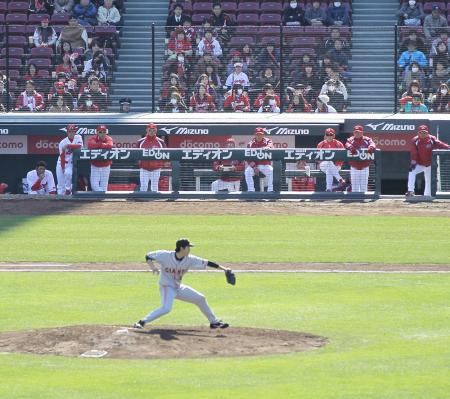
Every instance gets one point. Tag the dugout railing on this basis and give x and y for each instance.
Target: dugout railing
(180, 158)
(440, 174)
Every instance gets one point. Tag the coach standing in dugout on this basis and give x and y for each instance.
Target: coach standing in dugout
(421, 150)
(150, 170)
(359, 170)
(100, 169)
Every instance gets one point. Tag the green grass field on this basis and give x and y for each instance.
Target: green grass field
(389, 333)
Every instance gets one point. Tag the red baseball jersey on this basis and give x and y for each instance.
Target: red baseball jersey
(264, 143)
(421, 149)
(96, 143)
(237, 103)
(238, 165)
(332, 144)
(303, 183)
(355, 144)
(151, 142)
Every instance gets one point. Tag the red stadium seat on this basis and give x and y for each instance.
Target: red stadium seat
(16, 18)
(317, 31)
(18, 6)
(246, 30)
(35, 19)
(41, 52)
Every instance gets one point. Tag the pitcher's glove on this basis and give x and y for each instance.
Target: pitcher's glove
(231, 277)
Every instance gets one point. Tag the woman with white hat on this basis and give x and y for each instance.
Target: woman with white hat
(322, 104)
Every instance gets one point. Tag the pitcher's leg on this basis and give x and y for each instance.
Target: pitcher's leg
(188, 294)
(167, 296)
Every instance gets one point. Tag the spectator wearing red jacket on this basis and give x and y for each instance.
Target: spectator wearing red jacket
(330, 168)
(30, 100)
(237, 101)
(359, 170)
(201, 101)
(267, 90)
(259, 168)
(179, 45)
(421, 149)
(100, 169)
(150, 170)
(228, 182)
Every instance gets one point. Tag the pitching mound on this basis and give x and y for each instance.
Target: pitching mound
(157, 342)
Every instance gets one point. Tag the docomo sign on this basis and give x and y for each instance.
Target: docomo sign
(198, 142)
(44, 144)
(13, 145)
(392, 142)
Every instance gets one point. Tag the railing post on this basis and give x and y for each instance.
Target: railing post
(395, 68)
(8, 105)
(378, 165)
(434, 171)
(281, 70)
(153, 68)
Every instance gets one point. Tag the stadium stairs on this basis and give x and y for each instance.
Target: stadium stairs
(133, 67)
(372, 62)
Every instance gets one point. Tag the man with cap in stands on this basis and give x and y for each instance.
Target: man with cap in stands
(421, 150)
(359, 170)
(100, 169)
(125, 104)
(150, 170)
(64, 166)
(229, 180)
(259, 168)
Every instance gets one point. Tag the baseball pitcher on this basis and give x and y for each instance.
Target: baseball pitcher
(174, 265)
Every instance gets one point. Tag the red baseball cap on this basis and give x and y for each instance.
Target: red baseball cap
(330, 132)
(423, 128)
(101, 128)
(151, 125)
(358, 128)
(3, 187)
(72, 127)
(259, 130)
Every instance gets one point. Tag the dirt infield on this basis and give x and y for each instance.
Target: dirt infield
(157, 342)
(49, 206)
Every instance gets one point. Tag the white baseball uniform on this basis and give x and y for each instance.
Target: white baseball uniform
(170, 287)
(64, 176)
(43, 187)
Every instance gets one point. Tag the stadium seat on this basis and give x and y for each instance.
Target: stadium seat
(428, 6)
(265, 40)
(239, 41)
(17, 41)
(2, 21)
(14, 52)
(35, 19)
(248, 19)
(3, 7)
(14, 63)
(270, 19)
(270, 31)
(197, 19)
(246, 30)
(202, 7)
(272, 7)
(60, 19)
(105, 31)
(18, 6)
(298, 53)
(229, 7)
(43, 73)
(16, 18)
(41, 52)
(303, 42)
(41, 63)
(17, 30)
(248, 7)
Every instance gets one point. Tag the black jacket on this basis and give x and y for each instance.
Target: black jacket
(294, 15)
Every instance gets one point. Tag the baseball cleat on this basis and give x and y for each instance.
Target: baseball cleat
(218, 324)
(409, 194)
(139, 324)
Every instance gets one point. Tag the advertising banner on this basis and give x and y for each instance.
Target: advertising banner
(278, 141)
(13, 145)
(385, 126)
(393, 142)
(44, 144)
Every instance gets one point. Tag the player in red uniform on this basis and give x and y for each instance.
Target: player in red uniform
(303, 183)
(254, 168)
(150, 170)
(230, 183)
(359, 171)
(330, 168)
(100, 169)
(421, 148)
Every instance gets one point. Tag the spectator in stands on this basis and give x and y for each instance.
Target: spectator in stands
(125, 104)
(218, 17)
(293, 15)
(322, 104)
(335, 83)
(408, 57)
(266, 91)
(209, 44)
(339, 54)
(63, 6)
(441, 54)
(315, 15)
(31, 73)
(207, 59)
(433, 22)
(269, 56)
(60, 91)
(414, 73)
(214, 85)
(336, 98)
(44, 35)
(267, 76)
(441, 100)
(40, 180)
(416, 106)
(235, 57)
(269, 104)
(85, 104)
(201, 101)
(97, 63)
(189, 32)
(298, 103)
(211, 85)
(99, 98)
(238, 100)
(173, 85)
(85, 12)
(440, 75)
(329, 44)
(179, 45)
(309, 80)
(108, 14)
(410, 14)
(175, 19)
(413, 37)
(4, 97)
(73, 33)
(443, 37)
(338, 15)
(248, 59)
(41, 7)
(413, 88)
(59, 105)
(67, 66)
(176, 104)
(30, 100)
(237, 77)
